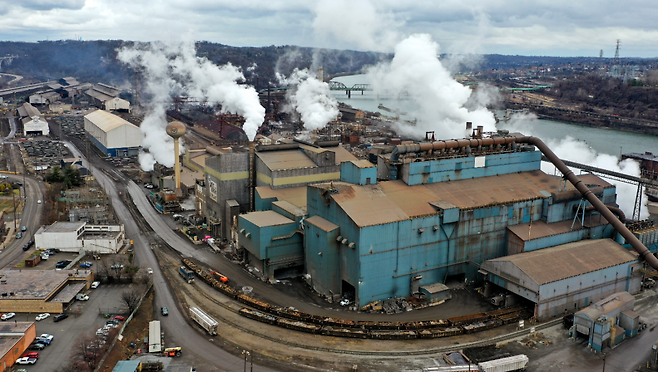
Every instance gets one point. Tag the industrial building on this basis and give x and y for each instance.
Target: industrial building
(607, 322)
(566, 277)
(106, 97)
(34, 124)
(41, 291)
(113, 135)
(80, 236)
(428, 212)
(15, 338)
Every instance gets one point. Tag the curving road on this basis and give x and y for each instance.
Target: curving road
(178, 332)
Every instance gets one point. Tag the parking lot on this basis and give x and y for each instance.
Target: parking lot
(85, 318)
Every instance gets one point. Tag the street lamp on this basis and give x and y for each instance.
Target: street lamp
(251, 360)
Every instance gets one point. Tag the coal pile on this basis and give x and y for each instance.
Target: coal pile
(44, 153)
(71, 125)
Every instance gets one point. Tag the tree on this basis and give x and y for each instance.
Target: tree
(55, 175)
(131, 298)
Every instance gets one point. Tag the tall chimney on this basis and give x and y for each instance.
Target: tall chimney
(252, 177)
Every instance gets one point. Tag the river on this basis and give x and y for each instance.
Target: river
(604, 141)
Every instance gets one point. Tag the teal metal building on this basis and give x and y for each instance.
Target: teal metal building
(426, 216)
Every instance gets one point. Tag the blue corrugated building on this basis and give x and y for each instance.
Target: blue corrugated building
(432, 215)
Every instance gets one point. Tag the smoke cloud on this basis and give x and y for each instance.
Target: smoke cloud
(415, 73)
(579, 151)
(174, 69)
(311, 99)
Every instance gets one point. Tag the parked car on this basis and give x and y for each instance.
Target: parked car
(45, 336)
(26, 247)
(24, 228)
(62, 264)
(59, 317)
(39, 201)
(31, 354)
(19, 235)
(120, 318)
(95, 285)
(85, 265)
(164, 310)
(42, 316)
(82, 297)
(37, 346)
(149, 271)
(7, 316)
(26, 360)
(117, 266)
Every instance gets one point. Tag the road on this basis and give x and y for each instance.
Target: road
(16, 79)
(177, 331)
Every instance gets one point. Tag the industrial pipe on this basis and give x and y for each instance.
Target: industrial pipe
(584, 190)
(596, 203)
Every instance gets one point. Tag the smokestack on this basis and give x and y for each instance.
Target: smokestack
(321, 74)
(176, 130)
(252, 176)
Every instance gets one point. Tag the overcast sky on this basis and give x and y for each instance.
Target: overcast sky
(541, 27)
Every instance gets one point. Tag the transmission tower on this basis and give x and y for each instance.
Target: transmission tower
(616, 65)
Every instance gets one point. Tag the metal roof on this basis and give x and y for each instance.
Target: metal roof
(294, 195)
(106, 121)
(363, 164)
(541, 229)
(60, 226)
(290, 208)
(568, 260)
(287, 159)
(608, 305)
(267, 218)
(322, 224)
(434, 288)
(391, 201)
(28, 110)
(36, 284)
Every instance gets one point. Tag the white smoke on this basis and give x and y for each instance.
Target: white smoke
(579, 151)
(311, 99)
(358, 22)
(174, 69)
(416, 72)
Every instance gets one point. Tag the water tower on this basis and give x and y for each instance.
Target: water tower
(176, 130)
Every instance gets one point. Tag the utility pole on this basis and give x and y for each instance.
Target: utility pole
(13, 198)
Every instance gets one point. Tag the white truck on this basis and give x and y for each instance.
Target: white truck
(82, 297)
(204, 320)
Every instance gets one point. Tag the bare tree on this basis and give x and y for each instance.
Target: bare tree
(131, 298)
(87, 352)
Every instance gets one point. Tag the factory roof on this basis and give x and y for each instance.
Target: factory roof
(294, 195)
(290, 208)
(568, 260)
(59, 227)
(541, 229)
(363, 164)
(611, 304)
(107, 121)
(287, 159)
(391, 201)
(36, 284)
(267, 218)
(322, 224)
(28, 110)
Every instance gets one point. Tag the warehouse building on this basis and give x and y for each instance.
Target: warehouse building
(34, 124)
(80, 236)
(41, 291)
(566, 277)
(15, 338)
(113, 135)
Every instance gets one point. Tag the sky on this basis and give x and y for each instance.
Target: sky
(511, 27)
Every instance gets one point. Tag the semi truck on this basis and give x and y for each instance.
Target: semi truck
(204, 320)
(187, 274)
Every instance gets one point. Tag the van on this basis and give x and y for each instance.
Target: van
(95, 285)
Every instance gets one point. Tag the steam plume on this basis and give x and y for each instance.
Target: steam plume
(311, 99)
(174, 69)
(417, 73)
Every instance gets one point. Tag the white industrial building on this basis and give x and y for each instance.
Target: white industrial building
(79, 236)
(33, 122)
(117, 104)
(113, 135)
